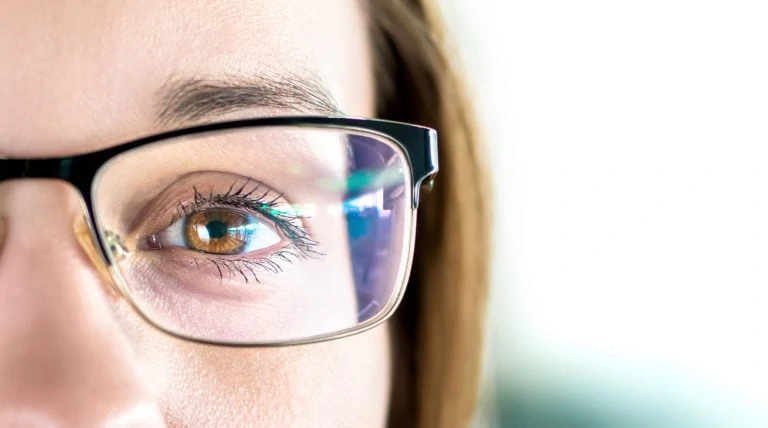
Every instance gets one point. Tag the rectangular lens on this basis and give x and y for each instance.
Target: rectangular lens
(259, 235)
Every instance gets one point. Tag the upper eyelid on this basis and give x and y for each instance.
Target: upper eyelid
(236, 200)
(168, 205)
(300, 234)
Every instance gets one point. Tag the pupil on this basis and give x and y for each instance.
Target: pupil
(217, 229)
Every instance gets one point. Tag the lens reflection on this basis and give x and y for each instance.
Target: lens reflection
(259, 235)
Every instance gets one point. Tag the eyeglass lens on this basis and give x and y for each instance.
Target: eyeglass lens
(260, 234)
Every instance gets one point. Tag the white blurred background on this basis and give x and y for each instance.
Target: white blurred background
(630, 159)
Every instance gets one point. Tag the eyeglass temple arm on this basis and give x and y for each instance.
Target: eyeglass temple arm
(424, 161)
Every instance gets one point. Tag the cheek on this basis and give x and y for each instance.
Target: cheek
(341, 383)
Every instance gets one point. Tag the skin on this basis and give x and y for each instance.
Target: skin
(80, 75)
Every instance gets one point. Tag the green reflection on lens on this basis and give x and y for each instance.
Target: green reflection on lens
(367, 179)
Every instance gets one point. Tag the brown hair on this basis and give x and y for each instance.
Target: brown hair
(439, 327)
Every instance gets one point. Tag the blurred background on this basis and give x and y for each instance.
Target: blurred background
(630, 141)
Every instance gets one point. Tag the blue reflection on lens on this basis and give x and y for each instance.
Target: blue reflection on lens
(369, 220)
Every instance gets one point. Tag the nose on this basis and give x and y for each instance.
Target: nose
(63, 359)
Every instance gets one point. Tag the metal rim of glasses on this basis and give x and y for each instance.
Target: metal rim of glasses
(417, 144)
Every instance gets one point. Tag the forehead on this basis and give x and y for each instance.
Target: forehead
(86, 72)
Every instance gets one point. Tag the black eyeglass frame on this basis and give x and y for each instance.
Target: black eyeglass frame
(418, 143)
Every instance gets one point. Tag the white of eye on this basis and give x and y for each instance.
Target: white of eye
(260, 235)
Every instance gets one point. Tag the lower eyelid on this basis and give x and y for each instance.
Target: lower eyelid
(178, 263)
(217, 277)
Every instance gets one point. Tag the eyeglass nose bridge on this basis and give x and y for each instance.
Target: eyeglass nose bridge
(37, 168)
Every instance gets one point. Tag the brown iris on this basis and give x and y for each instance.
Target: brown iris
(217, 231)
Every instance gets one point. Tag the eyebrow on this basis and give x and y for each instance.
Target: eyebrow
(184, 99)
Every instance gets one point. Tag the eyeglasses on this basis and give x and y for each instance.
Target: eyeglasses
(260, 232)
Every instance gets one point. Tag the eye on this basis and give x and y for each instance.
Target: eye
(219, 231)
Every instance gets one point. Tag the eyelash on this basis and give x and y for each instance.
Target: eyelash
(301, 246)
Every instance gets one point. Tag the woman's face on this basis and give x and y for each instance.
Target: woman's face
(80, 75)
